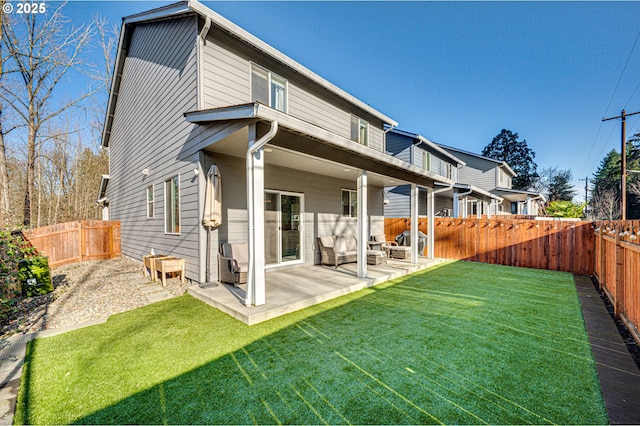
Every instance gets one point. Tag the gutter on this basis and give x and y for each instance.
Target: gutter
(259, 144)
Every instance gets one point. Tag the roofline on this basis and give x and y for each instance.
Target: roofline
(519, 191)
(477, 190)
(430, 143)
(185, 7)
(501, 162)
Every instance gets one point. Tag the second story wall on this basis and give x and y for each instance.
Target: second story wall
(227, 77)
(479, 172)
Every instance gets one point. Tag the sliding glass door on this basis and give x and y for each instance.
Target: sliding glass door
(283, 227)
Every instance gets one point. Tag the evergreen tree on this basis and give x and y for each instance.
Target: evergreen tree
(506, 147)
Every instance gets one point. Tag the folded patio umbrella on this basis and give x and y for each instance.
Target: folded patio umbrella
(212, 215)
(213, 198)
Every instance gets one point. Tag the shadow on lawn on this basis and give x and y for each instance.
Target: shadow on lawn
(425, 350)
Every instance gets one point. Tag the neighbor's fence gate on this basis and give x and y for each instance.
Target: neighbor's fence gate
(617, 269)
(76, 241)
(542, 244)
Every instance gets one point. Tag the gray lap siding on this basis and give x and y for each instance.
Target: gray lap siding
(149, 131)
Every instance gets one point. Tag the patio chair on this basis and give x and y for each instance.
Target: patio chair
(337, 250)
(381, 241)
(233, 263)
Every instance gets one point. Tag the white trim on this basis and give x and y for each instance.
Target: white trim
(363, 231)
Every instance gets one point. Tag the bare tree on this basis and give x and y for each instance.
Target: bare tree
(42, 50)
(605, 205)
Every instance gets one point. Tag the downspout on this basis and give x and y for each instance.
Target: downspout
(249, 164)
(430, 218)
(201, 43)
(384, 133)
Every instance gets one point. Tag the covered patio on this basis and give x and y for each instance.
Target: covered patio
(294, 289)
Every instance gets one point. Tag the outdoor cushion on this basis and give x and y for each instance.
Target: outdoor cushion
(327, 241)
(352, 244)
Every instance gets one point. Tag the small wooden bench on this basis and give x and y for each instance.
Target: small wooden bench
(167, 265)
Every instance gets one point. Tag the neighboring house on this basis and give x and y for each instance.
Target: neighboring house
(299, 157)
(460, 200)
(495, 177)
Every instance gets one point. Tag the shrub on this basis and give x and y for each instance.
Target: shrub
(34, 276)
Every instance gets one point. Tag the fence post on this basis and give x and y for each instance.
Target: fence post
(80, 242)
(603, 261)
(619, 296)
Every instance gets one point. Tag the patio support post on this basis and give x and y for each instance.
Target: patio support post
(489, 208)
(431, 199)
(363, 233)
(414, 222)
(456, 204)
(256, 293)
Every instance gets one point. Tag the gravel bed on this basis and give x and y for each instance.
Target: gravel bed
(87, 291)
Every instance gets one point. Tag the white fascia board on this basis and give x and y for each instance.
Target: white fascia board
(258, 44)
(238, 112)
(158, 13)
(440, 150)
(104, 181)
(301, 126)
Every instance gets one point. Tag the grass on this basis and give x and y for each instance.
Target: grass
(460, 343)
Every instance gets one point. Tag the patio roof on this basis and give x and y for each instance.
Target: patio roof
(476, 192)
(510, 194)
(302, 137)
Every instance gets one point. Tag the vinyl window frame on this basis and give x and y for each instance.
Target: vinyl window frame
(351, 206)
(359, 130)
(171, 210)
(272, 80)
(150, 201)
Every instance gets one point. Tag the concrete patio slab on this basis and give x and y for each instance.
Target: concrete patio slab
(292, 289)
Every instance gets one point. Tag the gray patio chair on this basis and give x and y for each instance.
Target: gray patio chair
(233, 263)
(381, 241)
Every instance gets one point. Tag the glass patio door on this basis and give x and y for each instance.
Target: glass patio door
(283, 227)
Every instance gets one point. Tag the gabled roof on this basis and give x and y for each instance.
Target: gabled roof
(493, 160)
(510, 194)
(193, 6)
(419, 139)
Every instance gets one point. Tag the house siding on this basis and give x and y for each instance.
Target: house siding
(322, 204)
(399, 146)
(479, 172)
(158, 85)
(226, 82)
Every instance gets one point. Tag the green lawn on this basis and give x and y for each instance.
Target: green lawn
(459, 343)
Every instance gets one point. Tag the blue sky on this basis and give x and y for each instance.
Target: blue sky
(459, 72)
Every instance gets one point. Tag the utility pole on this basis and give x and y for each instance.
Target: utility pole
(623, 163)
(586, 189)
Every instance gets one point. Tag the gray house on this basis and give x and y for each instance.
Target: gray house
(461, 200)
(495, 177)
(299, 158)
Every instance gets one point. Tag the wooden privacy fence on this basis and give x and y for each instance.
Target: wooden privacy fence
(542, 244)
(617, 269)
(76, 241)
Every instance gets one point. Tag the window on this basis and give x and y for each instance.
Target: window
(359, 130)
(349, 203)
(426, 160)
(449, 171)
(172, 205)
(150, 202)
(268, 88)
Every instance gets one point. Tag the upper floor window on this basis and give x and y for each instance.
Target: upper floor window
(349, 203)
(359, 130)
(268, 88)
(426, 160)
(172, 205)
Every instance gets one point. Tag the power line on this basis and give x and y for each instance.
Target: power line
(611, 100)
